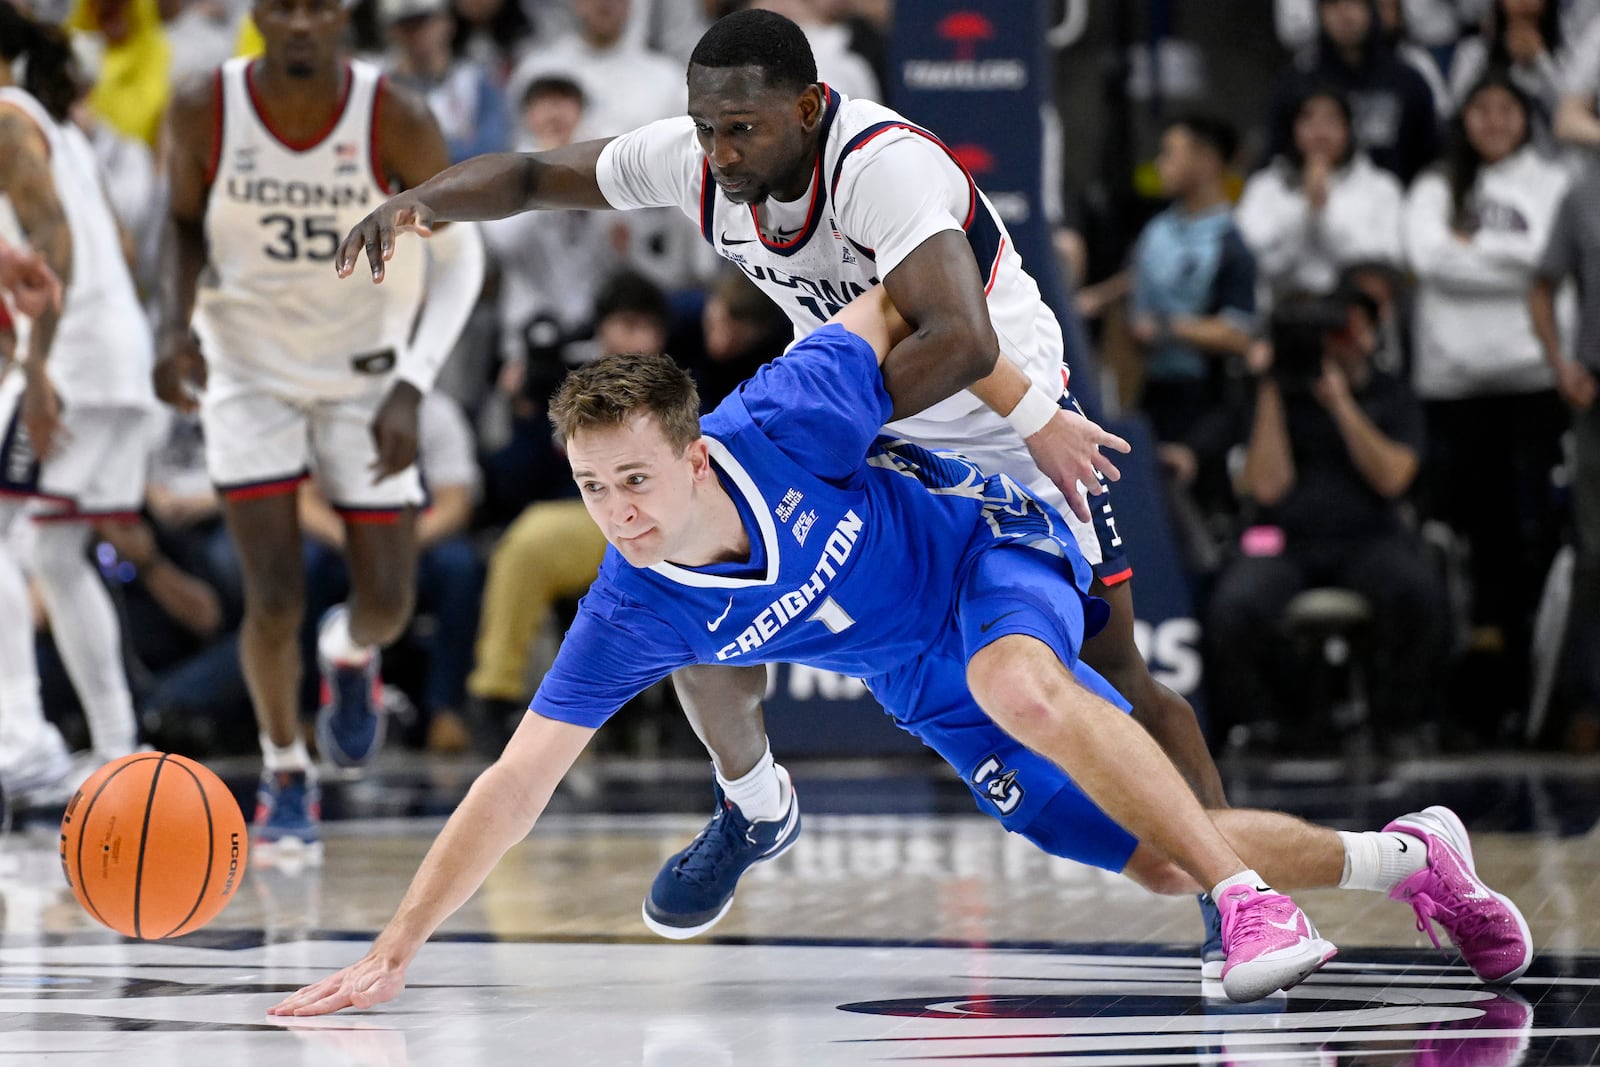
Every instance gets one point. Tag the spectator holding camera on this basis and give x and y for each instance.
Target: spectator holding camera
(1475, 229)
(1334, 444)
(1321, 206)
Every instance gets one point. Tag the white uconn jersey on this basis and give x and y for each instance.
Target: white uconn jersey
(276, 313)
(881, 186)
(102, 351)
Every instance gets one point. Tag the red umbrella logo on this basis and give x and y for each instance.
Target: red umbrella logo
(976, 158)
(966, 29)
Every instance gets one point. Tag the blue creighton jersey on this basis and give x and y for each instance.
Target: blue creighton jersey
(858, 543)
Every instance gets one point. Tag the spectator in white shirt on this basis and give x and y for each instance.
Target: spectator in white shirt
(1522, 37)
(1475, 229)
(1320, 207)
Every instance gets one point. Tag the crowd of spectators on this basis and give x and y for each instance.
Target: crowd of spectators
(1359, 365)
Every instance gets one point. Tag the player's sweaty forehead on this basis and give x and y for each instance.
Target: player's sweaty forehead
(733, 92)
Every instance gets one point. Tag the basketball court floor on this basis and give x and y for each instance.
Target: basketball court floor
(901, 928)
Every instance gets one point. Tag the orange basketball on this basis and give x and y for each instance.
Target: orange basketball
(153, 845)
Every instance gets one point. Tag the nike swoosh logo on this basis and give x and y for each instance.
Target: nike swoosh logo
(986, 627)
(1292, 926)
(781, 235)
(1403, 846)
(712, 626)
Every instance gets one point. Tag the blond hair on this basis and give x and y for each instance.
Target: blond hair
(611, 390)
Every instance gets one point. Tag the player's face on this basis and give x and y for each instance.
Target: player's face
(757, 138)
(301, 35)
(1496, 124)
(638, 489)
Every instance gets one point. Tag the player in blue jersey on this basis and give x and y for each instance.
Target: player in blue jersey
(784, 518)
(816, 197)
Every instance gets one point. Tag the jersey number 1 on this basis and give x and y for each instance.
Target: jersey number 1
(312, 236)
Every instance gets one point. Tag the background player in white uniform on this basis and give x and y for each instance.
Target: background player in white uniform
(73, 415)
(270, 161)
(815, 196)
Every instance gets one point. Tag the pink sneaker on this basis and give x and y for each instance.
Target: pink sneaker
(1485, 926)
(1271, 945)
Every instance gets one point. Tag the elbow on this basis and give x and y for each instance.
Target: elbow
(1269, 492)
(979, 352)
(1397, 480)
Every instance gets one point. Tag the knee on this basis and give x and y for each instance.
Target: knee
(1158, 874)
(378, 615)
(275, 603)
(1011, 689)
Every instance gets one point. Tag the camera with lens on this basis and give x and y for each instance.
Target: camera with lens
(1299, 331)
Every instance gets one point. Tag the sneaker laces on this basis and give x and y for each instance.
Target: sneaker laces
(711, 848)
(1250, 918)
(1465, 925)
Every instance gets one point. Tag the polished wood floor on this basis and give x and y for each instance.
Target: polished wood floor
(877, 938)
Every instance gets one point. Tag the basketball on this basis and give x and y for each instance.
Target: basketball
(153, 845)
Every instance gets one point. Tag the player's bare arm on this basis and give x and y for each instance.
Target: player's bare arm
(938, 288)
(190, 141)
(26, 181)
(485, 187)
(412, 150)
(499, 810)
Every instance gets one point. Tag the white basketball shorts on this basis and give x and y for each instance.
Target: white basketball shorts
(98, 468)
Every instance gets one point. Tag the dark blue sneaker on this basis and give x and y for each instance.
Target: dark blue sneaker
(695, 888)
(1212, 954)
(288, 815)
(350, 722)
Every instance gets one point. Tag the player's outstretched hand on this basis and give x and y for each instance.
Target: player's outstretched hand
(372, 980)
(180, 374)
(1068, 451)
(376, 233)
(394, 431)
(30, 281)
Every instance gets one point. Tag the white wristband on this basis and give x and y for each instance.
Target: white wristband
(1033, 412)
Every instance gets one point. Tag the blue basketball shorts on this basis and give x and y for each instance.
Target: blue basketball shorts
(1011, 590)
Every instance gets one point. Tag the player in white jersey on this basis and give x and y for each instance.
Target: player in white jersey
(74, 412)
(815, 197)
(270, 160)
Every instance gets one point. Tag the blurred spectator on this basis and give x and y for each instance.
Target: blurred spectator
(449, 573)
(1433, 24)
(837, 65)
(494, 34)
(552, 551)
(1392, 17)
(1474, 230)
(464, 100)
(740, 329)
(624, 86)
(1522, 37)
(1193, 279)
(1321, 206)
(1333, 446)
(551, 263)
(1395, 117)
(866, 37)
(203, 35)
(1576, 121)
(132, 69)
(630, 314)
(1574, 252)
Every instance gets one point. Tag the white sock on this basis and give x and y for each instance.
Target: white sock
(758, 794)
(1379, 860)
(88, 634)
(21, 714)
(290, 757)
(1245, 877)
(335, 643)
